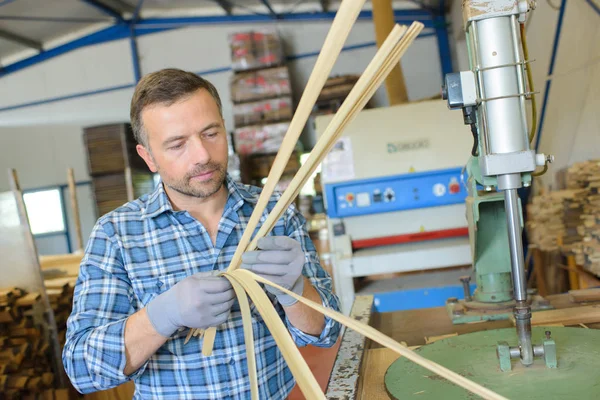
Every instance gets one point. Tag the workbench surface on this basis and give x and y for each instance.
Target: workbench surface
(361, 365)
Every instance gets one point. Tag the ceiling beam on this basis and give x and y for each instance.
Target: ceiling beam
(23, 41)
(113, 12)
(137, 10)
(52, 19)
(270, 8)
(225, 5)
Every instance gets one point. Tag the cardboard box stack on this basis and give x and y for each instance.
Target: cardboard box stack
(262, 101)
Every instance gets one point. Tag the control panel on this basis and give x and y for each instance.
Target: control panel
(395, 193)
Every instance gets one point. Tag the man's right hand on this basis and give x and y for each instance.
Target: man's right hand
(198, 301)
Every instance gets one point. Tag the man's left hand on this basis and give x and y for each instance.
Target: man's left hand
(279, 259)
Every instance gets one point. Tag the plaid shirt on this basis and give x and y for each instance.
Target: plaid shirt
(142, 249)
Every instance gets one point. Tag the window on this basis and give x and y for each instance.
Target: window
(45, 211)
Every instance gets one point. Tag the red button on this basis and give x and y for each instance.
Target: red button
(454, 188)
(350, 197)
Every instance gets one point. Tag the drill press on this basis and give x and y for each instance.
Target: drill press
(492, 96)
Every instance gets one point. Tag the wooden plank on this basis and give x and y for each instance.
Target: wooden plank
(582, 295)
(28, 300)
(75, 208)
(573, 275)
(566, 316)
(6, 316)
(376, 364)
(540, 275)
(17, 382)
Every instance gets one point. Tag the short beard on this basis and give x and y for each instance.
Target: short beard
(201, 190)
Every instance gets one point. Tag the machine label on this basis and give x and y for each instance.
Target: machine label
(397, 147)
(339, 163)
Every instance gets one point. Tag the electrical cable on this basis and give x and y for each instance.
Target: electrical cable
(530, 83)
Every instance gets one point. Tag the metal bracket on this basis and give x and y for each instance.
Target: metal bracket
(547, 350)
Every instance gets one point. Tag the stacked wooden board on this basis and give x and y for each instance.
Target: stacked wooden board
(545, 223)
(118, 173)
(572, 239)
(60, 295)
(569, 220)
(25, 358)
(587, 175)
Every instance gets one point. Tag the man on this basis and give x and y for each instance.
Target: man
(149, 272)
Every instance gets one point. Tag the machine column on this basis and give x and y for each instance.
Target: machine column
(522, 310)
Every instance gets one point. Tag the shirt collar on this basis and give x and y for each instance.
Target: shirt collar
(158, 201)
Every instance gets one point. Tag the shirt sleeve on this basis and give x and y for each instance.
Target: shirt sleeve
(295, 226)
(94, 353)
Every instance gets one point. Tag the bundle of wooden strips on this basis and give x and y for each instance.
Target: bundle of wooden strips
(340, 28)
(246, 283)
(245, 280)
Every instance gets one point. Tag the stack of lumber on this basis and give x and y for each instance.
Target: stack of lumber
(579, 175)
(118, 173)
(586, 175)
(545, 223)
(572, 214)
(25, 361)
(60, 295)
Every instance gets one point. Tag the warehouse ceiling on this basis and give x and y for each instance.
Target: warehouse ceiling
(30, 28)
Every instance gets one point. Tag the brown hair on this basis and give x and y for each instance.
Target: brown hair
(165, 87)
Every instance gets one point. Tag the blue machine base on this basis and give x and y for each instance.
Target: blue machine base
(413, 299)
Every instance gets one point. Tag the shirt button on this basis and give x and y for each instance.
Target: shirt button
(231, 361)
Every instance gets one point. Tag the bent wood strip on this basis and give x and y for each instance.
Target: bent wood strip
(245, 276)
(248, 336)
(304, 378)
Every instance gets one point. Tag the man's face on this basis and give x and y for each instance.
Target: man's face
(188, 144)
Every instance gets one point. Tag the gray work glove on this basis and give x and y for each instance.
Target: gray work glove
(200, 301)
(279, 259)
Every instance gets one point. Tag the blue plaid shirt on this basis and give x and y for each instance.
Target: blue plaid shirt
(142, 249)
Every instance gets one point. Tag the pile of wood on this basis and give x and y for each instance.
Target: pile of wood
(569, 220)
(572, 241)
(587, 175)
(25, 360)
(545, 223)
(118, 173)
(60, 295)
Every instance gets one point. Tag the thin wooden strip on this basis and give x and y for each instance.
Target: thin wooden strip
(191, 333)
(338, 33)
(384, 61)
(304, 378)
(340, 28)
(75, 208)
(209, 341)
(378, 337)
(248, 335)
